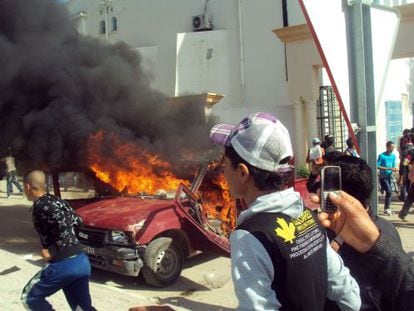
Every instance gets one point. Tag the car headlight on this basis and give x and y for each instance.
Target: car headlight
(119, 237)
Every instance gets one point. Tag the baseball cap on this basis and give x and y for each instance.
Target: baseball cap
(260, 139)
(316, 140)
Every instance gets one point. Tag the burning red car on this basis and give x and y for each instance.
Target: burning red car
(156, 220)
(153, 234)
(139, 217)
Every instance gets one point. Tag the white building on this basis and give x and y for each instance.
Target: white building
(239, 55)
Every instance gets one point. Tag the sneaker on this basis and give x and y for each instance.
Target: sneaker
(402, 218)
(388, 212)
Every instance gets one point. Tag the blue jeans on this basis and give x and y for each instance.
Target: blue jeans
(386, 186)
(12, 179)
(71, 275)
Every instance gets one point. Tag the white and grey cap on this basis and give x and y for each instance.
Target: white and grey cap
(260, 139)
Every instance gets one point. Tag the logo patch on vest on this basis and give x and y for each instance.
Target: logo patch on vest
(302, 234)
(286, 230)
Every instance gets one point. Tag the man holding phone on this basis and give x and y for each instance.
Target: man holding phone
(357, 180)
(388, 266)
(280, 256)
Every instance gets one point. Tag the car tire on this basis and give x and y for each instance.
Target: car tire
(163, 262)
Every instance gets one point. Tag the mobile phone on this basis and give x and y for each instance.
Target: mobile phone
(330, 181)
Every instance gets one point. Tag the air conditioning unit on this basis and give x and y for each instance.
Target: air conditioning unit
(202, 23)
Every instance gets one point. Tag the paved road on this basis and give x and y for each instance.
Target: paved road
(19, 260)
(405, 229)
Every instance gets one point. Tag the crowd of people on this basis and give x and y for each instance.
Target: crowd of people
(322, 153)
(387, 166)
(283, 255)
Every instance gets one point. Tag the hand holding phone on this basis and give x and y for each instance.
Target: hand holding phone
(330, 182)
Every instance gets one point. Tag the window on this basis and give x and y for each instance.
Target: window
(102, 27)
(393, 110)
(114, 24)
(329, 117)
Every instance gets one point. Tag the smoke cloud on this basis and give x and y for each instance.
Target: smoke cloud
(58, 87)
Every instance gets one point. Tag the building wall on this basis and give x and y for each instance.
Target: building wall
(203, 55)
(255, 78)
(256, 62)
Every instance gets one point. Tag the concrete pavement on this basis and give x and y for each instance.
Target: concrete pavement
(405, 229)
(19, 260)
(196, 289)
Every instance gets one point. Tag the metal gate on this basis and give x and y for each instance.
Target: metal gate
(329, 118)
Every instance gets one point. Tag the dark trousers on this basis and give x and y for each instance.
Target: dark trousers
(409, 199)
(386, 186)
(404, 190)
(405, 182)
(71, 275)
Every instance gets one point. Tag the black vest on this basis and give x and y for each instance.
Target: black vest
(297, 248)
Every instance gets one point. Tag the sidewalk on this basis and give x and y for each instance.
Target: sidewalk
(405, 229)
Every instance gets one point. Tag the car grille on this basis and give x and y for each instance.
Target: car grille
(97, 261)
(92, 236)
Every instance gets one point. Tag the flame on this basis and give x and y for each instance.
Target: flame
(219, 204)
(130, 168)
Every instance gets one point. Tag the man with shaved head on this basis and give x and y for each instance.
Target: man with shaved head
(67, 267)
(36, 182)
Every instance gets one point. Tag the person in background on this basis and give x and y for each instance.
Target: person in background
(405, 149)
(323, 144)
(409, 198)
(315, 154)
(11, 174)
(405, 138)
(67, 267)
(328, 144)
(357, 181)
(280, 257)
(388, 266)
(315, 157)
(351, 150)
(386, 164)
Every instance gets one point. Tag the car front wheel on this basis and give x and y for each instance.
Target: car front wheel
(163, 262)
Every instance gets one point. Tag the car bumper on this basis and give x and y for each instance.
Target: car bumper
(121, 260)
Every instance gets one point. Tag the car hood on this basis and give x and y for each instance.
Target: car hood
(121, 212)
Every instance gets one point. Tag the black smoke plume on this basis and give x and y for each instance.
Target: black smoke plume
(58, 87)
